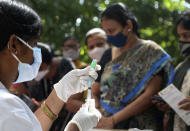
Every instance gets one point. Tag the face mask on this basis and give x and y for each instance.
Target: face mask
(184, 48)
(41, 74)
(26, 71)
(72, 54)
(118, 40)
(97, 52)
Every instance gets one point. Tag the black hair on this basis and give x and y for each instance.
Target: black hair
(70, 38)
(47, 52)
(19, 19)
(120, 13)
(184, 20)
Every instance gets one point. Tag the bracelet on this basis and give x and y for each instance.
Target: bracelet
(48, 111)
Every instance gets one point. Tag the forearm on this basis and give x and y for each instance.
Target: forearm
(74, 105)
(75, 102)
(97, 100)
(136, 107)
(140, 104)
(96, 93)
(55, 104)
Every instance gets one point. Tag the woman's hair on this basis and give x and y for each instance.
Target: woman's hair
(47, 53)
(184, 20)
(19, 19)
(70, 38)
(120, 13)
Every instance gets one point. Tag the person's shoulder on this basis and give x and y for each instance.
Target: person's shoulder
(152, 45)
(10, 101)
(64, 63)
(15, 113)
(108, 51)
(64, 60)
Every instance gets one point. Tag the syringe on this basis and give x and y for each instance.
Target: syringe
(90, 81)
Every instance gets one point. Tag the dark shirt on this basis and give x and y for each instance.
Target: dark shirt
(106, 57)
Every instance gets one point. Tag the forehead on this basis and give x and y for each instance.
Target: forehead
(109, 23)
(181, 30)
(93, 39)
(71, 42)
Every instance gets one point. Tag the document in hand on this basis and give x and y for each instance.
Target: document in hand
(173, 96)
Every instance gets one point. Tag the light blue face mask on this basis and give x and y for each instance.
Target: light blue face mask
(26, 71)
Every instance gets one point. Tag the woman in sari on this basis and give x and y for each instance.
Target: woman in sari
(138, 70)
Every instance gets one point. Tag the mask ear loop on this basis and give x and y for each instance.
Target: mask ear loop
(24, 42)
(14, 54)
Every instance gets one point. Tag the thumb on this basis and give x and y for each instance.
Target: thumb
(84, 71)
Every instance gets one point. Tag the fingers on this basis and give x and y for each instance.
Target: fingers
(161, 105)
(84, 108)
(185, 107)
(93, 73)
(187, 99)
(97, 113)
(92, 109)
(83, 83)
(81, 72)
(98, 67)
(88, 71)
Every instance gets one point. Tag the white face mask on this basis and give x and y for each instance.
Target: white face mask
(41, 74)
(97, 52)
(26, 71)
(72, 54)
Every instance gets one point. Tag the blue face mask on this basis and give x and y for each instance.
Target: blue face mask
(118, 40)
(26, 71)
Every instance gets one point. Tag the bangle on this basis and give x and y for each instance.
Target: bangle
(48, 111)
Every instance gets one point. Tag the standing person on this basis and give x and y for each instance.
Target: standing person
(20, 29)
(96, 44)
(71, 51)
(52, 69)
(182, 75)
(139, 70)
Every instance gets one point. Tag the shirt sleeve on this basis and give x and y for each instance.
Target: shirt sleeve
(16, 116)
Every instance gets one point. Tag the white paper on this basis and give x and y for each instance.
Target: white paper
(173, 96)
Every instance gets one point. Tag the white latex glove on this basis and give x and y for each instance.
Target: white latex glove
(74, 82)
(136, 129)
(87, 117)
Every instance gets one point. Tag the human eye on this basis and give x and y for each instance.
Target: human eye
(100, 44)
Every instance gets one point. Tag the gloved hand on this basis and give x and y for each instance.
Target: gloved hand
(74, 82)
(87, 117)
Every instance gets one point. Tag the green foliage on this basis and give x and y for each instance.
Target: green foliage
(62, 18)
